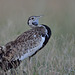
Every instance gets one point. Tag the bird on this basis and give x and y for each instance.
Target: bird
(26, 45)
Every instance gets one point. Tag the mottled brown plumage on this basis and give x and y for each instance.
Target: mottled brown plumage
(26, 41)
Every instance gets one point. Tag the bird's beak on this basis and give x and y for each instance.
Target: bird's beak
(40, 16)
(37, 17)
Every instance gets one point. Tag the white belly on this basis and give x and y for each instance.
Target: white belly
(32, 51)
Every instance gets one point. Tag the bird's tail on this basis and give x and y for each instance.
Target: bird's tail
(5, 64)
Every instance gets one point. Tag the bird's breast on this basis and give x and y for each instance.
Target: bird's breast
(31, 51)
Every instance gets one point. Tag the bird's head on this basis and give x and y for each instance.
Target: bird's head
(33, 21)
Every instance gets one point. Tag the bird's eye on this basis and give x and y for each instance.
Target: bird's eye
(32, 18)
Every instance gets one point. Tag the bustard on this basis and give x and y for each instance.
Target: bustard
(25, 45)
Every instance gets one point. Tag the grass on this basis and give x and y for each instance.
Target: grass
(58, 56)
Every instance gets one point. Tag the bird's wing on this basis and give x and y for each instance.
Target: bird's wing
(25, 45)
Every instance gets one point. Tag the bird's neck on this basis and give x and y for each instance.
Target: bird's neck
(34, 26)
(39, 25)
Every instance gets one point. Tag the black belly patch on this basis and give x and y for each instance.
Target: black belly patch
(43, 35)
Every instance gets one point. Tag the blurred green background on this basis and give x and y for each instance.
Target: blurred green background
(59, 15)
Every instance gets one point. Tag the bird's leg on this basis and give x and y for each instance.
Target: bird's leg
(29, 66)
